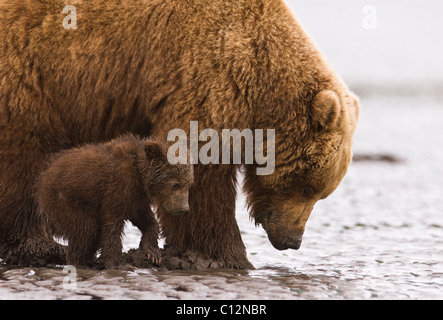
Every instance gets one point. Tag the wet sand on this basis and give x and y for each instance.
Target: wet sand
(379, 236)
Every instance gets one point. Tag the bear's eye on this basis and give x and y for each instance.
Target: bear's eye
(176, 186)
(308, 192)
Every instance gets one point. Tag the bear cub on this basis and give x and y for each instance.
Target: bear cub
(85, 195)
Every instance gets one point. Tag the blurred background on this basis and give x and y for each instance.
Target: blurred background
(379, 46)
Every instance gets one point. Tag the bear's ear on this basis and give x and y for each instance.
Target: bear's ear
(153, 150)
(325, 109)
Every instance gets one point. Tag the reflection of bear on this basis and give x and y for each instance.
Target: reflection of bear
(86, 193)
(147, 67)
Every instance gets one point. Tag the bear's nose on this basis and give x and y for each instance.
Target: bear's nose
(294, 243)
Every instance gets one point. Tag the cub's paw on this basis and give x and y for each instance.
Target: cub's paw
(154, 255)
(143, 259)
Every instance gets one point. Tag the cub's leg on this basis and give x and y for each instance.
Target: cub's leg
(111, 239)
(83, 240)
(148, 225)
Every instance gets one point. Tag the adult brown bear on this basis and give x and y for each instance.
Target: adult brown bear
(149, 66)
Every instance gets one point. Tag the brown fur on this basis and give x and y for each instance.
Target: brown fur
(148, 66)
(87, 193)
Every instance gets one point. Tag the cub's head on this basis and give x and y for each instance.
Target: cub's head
(167, 184)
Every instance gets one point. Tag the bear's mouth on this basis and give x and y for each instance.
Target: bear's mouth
(280, 237)
(285, 243)
(293, 243)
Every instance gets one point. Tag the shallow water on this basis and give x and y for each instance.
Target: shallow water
(379, 236)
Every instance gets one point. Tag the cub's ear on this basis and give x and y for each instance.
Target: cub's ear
(154, 150)
(325, 109)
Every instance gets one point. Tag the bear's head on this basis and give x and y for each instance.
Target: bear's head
(167, 184)
(310, 163)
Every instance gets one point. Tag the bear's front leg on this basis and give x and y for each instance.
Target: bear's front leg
(23, 238)
(111, 241)
(207, 237)
(148, 225)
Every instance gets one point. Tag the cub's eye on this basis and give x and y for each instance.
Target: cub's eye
(176, 186)
(308, 192)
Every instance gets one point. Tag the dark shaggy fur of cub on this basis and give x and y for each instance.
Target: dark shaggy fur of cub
(86, 194)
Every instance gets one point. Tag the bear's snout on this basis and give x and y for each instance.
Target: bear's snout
(286, 242)
(285, 227)
(184, 211)
(294, 243)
